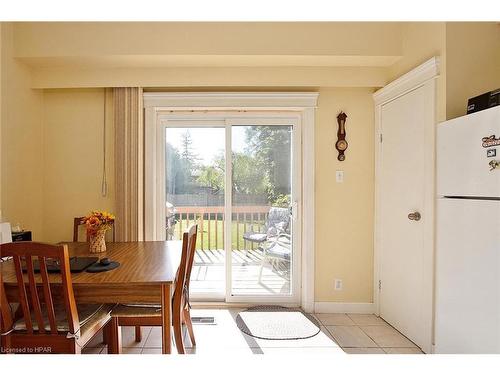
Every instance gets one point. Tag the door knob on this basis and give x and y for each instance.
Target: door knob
(414, 216)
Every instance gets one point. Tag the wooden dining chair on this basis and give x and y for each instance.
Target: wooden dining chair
(150, 315)
(79, 221)
(44, 318)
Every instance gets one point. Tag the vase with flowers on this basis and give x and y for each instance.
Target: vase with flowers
(97, 223)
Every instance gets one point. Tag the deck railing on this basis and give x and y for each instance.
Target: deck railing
(211, 228)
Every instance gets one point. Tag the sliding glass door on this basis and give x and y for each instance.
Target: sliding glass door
(247, 248)
(195, 193)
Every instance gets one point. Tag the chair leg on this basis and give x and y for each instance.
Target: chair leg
(138, 334)
(114, 336)
(177, 323)
(189, 325)
(74, 348)
(105, 339)
(261, 267)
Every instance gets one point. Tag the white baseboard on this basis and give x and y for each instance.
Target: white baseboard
(342, 307)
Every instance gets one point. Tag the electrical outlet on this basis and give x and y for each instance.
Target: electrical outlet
(339, 176)
(338, 284)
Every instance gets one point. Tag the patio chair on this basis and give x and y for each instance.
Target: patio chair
(276, 251)
(277, 223)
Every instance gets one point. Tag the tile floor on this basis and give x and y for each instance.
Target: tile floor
(340, 334)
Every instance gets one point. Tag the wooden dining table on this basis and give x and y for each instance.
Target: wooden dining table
(146, 275)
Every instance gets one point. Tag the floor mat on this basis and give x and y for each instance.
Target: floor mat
(277, 323)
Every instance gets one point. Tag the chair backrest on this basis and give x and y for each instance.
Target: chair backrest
(77, 221)
(276, 216)
(29, 300)
(181, 292)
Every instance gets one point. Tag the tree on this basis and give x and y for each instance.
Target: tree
(187, 154)
(247, 177)
(213, 175)
(271, 146)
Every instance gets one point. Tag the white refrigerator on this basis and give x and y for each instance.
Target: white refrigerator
(467, 294)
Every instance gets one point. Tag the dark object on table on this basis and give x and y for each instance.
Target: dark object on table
(21, 236)
(104, 262)
(483, 101)
(76, 264)
(102, 267)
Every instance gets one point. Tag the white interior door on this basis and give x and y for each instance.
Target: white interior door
(404, 215)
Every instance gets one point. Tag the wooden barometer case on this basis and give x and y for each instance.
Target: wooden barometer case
(341, 144)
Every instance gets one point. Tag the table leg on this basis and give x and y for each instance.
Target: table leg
(166, 318)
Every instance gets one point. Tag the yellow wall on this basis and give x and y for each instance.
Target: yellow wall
(73, 154)
(21, 142)
(344, 211)
(421, 41)
(93, 39)
(473, 67)
(187, 78)
(470, 60)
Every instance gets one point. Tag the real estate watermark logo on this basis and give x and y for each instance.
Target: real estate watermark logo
(26, 350)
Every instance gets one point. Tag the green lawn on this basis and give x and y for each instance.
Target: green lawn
(216, 225)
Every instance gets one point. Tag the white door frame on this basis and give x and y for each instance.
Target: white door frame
(301, 104)
(424, 75)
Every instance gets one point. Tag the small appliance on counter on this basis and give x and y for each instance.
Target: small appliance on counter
(5, 233)
(21, 236)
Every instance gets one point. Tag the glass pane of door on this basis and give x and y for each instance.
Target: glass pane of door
(195, 178)
(261, 225)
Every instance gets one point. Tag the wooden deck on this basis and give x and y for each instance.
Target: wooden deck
(208, 275)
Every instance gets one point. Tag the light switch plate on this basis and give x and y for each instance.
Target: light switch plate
(339, 176)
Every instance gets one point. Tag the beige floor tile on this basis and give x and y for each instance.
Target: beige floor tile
(351, 337)
(128, 337)
(131, 350)
(334, 319)
(367, 320)
(364, 351)
(153, 340)
(299, 351)
(151, 351)
(224, 334)
(403, 351)
(387, 337)
(215, 351)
